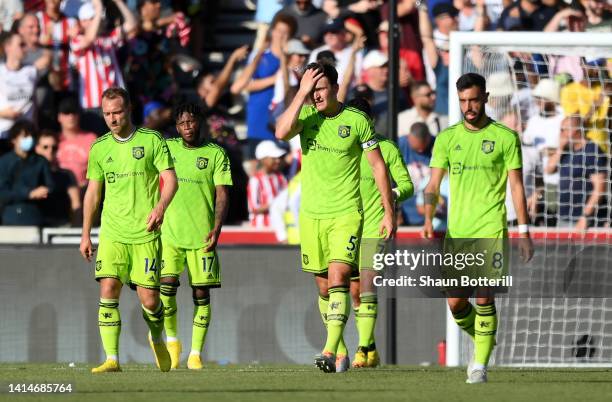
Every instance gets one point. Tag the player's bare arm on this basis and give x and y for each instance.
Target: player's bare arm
(381, 176)
(430, 197)
(287, 125)
(517, 189)
(221, 206)
(91, 203)
(156, 217)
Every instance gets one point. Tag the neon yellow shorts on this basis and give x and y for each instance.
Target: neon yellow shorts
(330, 240)
(132, 264)
(203, 268)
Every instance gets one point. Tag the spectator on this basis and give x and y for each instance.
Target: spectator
(10, 10)
(62, 205)
(292, 65)
(588, 99)
(96, 59)
(259, 77)
(416, 150)
(310, 20)
(598, 16)
(436, 48)
(264, 14)
(525, 15)
(210, 87)
(570, 18)
(55, 32)
(410, 65)
(376, 76)
(583, 170)
(74, 142)
(471, 17)
(222, 132)
(543, 129)
(147, 74)
(25, 179)
(424, 100)
(334, 36)
(29, 29)
(408, 18)
(265, 185)
(17, 83)
(362, 17)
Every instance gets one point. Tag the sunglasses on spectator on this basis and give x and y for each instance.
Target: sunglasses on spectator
(429, 94)
(52, 147)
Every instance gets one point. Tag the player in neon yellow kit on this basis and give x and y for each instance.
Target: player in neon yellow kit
(363, 291)
(480, 155)
(333, 138)
(127, 162)
(192, 227)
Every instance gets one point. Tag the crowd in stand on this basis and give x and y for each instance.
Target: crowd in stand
(57, 57)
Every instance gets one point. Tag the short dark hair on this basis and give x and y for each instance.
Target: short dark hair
(420, 131)
(22, 126)
(285, 19)
(117, 92)
(47, 133)
(418, 85)
(327, 69)
(470, 80)
(362, 104)
(188, 107)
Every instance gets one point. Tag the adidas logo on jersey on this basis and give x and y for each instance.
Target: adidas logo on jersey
(109, 160)
(458, 148)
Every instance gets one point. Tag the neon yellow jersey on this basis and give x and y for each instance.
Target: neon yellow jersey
(130, 172)
(331, 157)
(191, 214)
(478, 164)
(373, 211)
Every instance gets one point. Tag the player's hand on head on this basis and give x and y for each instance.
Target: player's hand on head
(526, 249)
(309, 79)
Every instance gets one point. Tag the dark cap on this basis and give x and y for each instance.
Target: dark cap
(69, 106)
(336, 25)
(445, 8)
(327, 56)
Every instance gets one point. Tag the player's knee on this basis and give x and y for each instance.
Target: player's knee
(150, 303)
(168, 289)
(201, 293)
(457, 304)
(110, 288)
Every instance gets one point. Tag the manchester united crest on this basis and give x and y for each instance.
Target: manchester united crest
(138, 152)
(202, 163)
(344, 131)
(488, 146)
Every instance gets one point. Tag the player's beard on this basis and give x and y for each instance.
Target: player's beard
(474, 120)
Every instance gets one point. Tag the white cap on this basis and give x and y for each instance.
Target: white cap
(499, 84)
(374, 58)
(87, 11)
(547, 89)
(268, 149)
(295, 46)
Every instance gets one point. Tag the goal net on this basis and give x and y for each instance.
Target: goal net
(554, 90)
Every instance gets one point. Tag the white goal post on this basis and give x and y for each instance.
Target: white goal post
(554, 341)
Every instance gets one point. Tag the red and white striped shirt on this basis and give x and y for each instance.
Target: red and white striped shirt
(59, 31)
(97, 67)
(261, 191)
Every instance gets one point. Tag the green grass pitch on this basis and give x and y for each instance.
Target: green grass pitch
(304, 383)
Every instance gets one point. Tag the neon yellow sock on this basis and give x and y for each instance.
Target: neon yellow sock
(368, 311)
(337, 314)
(109, 322)
(201, 321)
(465, 319)
(168, 297)
(484, 334)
